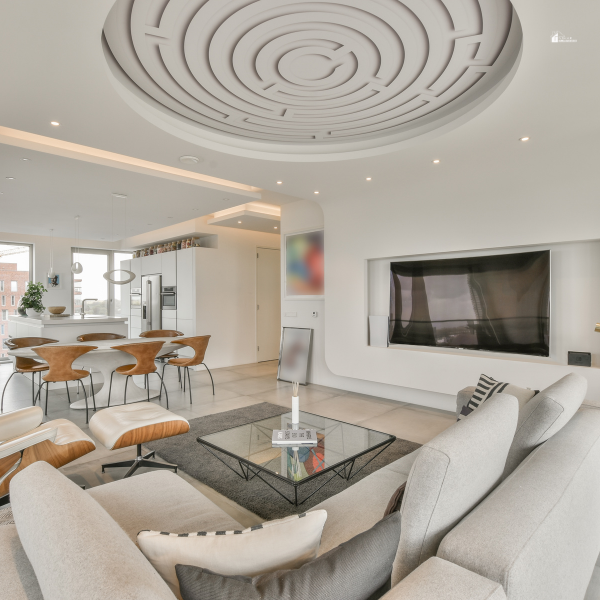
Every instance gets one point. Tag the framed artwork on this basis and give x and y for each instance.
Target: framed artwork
(305, 265)
(294, 354)
(54, 282)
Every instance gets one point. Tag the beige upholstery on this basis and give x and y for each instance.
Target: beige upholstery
(21, 421)
(538, 534)
(130, 424)
(450, 476)
(437, 579)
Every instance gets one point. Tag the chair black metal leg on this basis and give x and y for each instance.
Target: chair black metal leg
(46, 398)
(162, 385)
(179, 375)
(33, 389)
(183, 378)
(86, 405)
(125, 394)
(134, 467)
(68, 395)
(93, 392)
(147, 386)
(211, 379)
(187, 369)
(2, 402)
(110, 388)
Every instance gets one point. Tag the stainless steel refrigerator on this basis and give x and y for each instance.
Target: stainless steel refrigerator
(151, 309)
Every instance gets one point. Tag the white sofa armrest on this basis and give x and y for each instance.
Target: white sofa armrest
(437, 579)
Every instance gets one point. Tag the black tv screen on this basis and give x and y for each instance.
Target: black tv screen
(497, 303)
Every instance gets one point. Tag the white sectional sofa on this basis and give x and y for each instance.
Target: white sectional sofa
(470, 530)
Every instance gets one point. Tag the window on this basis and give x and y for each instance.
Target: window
(15, 312)
(12, 300)
(13, 286)
(3, 300)
(1, 285)
(1, 329)
(5, 315)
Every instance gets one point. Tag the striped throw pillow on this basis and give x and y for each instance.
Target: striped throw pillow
(486, 388)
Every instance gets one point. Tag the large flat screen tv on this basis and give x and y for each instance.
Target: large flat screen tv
(498, 303)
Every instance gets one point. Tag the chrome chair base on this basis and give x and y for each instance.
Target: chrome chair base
(139, 461)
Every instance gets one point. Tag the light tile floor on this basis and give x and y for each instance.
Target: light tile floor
(237, 387)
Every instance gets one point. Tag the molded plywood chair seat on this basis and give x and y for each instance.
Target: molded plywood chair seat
(27, 440)
(145, 354)
(164, 333)
(198, 345)
(94, 337)
(27, 365)
(60, 360)
(122, 426)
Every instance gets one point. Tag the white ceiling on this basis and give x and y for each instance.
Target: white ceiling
(52, 67)
(307, 78)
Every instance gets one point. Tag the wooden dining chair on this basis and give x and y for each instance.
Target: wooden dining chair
(94, 337)
(26, 365)
(145, 354)
(60, 360)
(153, 333)
(198, 344)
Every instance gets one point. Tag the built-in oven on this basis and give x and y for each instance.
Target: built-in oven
(168, 297)
(135, 298)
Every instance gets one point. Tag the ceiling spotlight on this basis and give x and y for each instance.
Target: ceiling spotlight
(10, 178)
(279, 182)
(368, 179)
(189, 160)
(274, 227)
(55, 123)
(239, 221)
(316, 192)
(436, 161)
(25, 159)
(524, 139)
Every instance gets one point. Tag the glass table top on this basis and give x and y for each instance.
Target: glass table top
(338, 443)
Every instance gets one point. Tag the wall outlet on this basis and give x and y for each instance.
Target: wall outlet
(315, 314)
(581, 359)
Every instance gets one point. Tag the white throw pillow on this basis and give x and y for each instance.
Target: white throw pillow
(282, 544)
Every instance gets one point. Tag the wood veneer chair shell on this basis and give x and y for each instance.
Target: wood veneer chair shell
(198, 344)
(94, 337)
(160, 333)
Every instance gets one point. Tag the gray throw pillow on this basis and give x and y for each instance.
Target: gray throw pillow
(355, 570)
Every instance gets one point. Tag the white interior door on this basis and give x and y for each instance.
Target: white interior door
(268, 303)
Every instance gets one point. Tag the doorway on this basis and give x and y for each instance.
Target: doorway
(268, 303)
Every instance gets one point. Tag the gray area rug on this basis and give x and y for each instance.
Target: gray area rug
(255, 495)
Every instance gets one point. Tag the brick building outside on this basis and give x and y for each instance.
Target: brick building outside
(13, 284)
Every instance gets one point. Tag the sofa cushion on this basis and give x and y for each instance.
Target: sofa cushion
(355, 570)
(360, 506)
(538, 533)
(281, 544)
(146, 502)
(544, 415)
(17, 577)
(75, 548)
(452, 474)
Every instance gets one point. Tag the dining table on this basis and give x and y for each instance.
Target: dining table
(105, 359)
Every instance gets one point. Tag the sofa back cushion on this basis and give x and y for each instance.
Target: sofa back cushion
(544, 415)
(452, 474)
(538, 533)
(75, 548)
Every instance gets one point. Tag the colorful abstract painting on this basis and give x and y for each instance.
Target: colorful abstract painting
(304, 264)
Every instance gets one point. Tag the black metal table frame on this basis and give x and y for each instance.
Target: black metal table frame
(345, 466)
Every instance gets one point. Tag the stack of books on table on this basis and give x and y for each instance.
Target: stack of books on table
(294, 437)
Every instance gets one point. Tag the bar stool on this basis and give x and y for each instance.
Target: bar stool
(145, 354)
(60, 360)
(198, 345)
(153, 333)
(27, 365)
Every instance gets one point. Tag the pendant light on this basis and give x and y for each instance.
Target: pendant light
(51, 273)
(108, 274)
(76, 266)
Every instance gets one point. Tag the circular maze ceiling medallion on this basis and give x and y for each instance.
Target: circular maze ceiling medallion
(297, 80)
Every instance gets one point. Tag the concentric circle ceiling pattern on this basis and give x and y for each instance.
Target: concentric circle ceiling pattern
(306, 77)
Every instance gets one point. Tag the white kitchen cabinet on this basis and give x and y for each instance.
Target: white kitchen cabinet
(169, 321)
(169, 268)
(136, 268)
(186, 326)
(186, 285)
(134, 332)
(151, 265)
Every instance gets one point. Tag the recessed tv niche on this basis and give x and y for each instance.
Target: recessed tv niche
(497, 303)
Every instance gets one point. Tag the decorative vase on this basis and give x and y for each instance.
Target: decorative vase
(31, 312)
(295, 406)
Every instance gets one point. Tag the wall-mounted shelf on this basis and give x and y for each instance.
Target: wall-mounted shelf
(206, 240)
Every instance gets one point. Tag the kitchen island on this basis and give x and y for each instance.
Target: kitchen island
(65, 329)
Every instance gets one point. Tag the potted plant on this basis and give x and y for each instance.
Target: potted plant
(32, 299)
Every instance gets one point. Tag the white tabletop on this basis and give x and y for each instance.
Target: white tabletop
(102, 345)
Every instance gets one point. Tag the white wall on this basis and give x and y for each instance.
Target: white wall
(62, 261)
(357, 284)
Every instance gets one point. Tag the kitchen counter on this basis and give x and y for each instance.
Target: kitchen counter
(65, 329)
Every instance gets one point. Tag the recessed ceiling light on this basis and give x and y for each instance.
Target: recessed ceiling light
(368, 179)
(55, 123)
(117, 195)
(25, 159)
(274, 227)
(279, 182)
(239, 221)
(188, 159)
(316, 192)
(436, 161)
(524, 139)
(10, 178)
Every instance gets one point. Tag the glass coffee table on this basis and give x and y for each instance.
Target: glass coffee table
(339, 447)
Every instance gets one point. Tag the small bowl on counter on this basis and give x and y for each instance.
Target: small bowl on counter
(56, 310)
